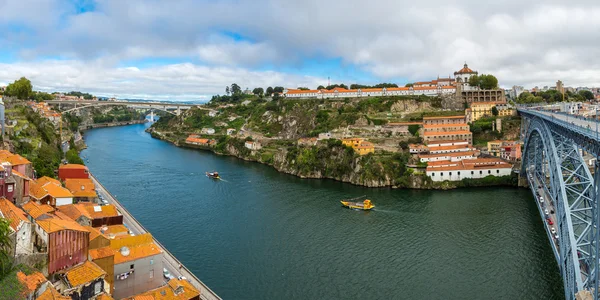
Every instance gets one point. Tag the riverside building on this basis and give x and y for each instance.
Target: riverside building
(446, 128)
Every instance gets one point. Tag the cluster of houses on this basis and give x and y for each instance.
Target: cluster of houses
(449, 153)
(45, 111)
(507, 150)
(85, 250)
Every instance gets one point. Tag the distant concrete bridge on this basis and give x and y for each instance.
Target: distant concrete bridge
(555, 144)
(169, 107)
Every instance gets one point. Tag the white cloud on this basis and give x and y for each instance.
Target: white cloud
(521, 41)
(171, 82)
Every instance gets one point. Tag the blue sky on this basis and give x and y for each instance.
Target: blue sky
(186, 49)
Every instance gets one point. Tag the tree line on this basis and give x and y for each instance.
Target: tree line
(23, 89)
(554, 96)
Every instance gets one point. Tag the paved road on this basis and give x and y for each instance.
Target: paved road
(571, 119)
(169, 261)
(547, 204)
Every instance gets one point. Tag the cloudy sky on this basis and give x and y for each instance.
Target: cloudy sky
(186, 49)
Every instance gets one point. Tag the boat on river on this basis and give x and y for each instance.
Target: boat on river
(213, 175)
(362, 205)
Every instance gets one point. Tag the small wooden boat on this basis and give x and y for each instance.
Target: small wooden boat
(213, 175)
(362, 205)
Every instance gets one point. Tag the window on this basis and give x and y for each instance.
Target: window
(459, 173)
(131, 266)
(480, 172)
(432, 174)
(151, 261)
(489, 172)
(472, 172)
(98, 288)
(10, 188)
(450, 173)
(497, 171)
(441, 173)
(151, 274)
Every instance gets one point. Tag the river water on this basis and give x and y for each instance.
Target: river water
(260, 234)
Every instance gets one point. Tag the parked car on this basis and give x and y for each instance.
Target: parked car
(550, 222)
(541, 199)
(553, 230)
(181, 278)
(167, 275)
(546, 211)
(556, 236)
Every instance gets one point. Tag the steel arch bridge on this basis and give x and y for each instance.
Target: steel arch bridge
(554, 165)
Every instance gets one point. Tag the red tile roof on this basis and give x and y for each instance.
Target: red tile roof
(464, 70)
(15, 215)
(81, 187)
(453, 154)
(446, 133)
(83, 273)
(73, 166)
(31, 282)
(54, 224)
(36, 210)
(101, 253)
(446, 117)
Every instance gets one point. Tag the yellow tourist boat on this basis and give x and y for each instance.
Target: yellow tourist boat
(364, 205)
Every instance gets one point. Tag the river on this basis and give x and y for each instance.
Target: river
(260, 234)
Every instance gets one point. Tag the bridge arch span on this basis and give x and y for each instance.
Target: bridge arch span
(117, 104)
(554, 166)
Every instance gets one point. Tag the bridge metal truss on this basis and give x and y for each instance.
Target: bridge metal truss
(553, 154)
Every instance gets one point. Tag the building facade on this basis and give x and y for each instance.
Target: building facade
(73, 171)
(65, 241)
(138, 265)
(20, 226)
(469, 169)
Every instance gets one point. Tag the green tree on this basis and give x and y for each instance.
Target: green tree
(320, 87)
(413, 129)
(488, 82)
(494, 111)
(258, 91)
(235, 89)
(278, 89)
(484, 82)
(269, 91)
(409, 85)
(73, 157)
(6, 264)
(21, 89)
(227, 90)
(303, 88)
(586, 94)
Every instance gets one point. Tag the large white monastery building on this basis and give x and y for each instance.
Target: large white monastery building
(435, 87)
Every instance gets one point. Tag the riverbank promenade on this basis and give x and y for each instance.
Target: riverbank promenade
(169, 261)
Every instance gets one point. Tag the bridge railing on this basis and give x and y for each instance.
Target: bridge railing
(588, 131)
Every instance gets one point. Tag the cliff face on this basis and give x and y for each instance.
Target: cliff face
(329, 159)
(277, 125)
